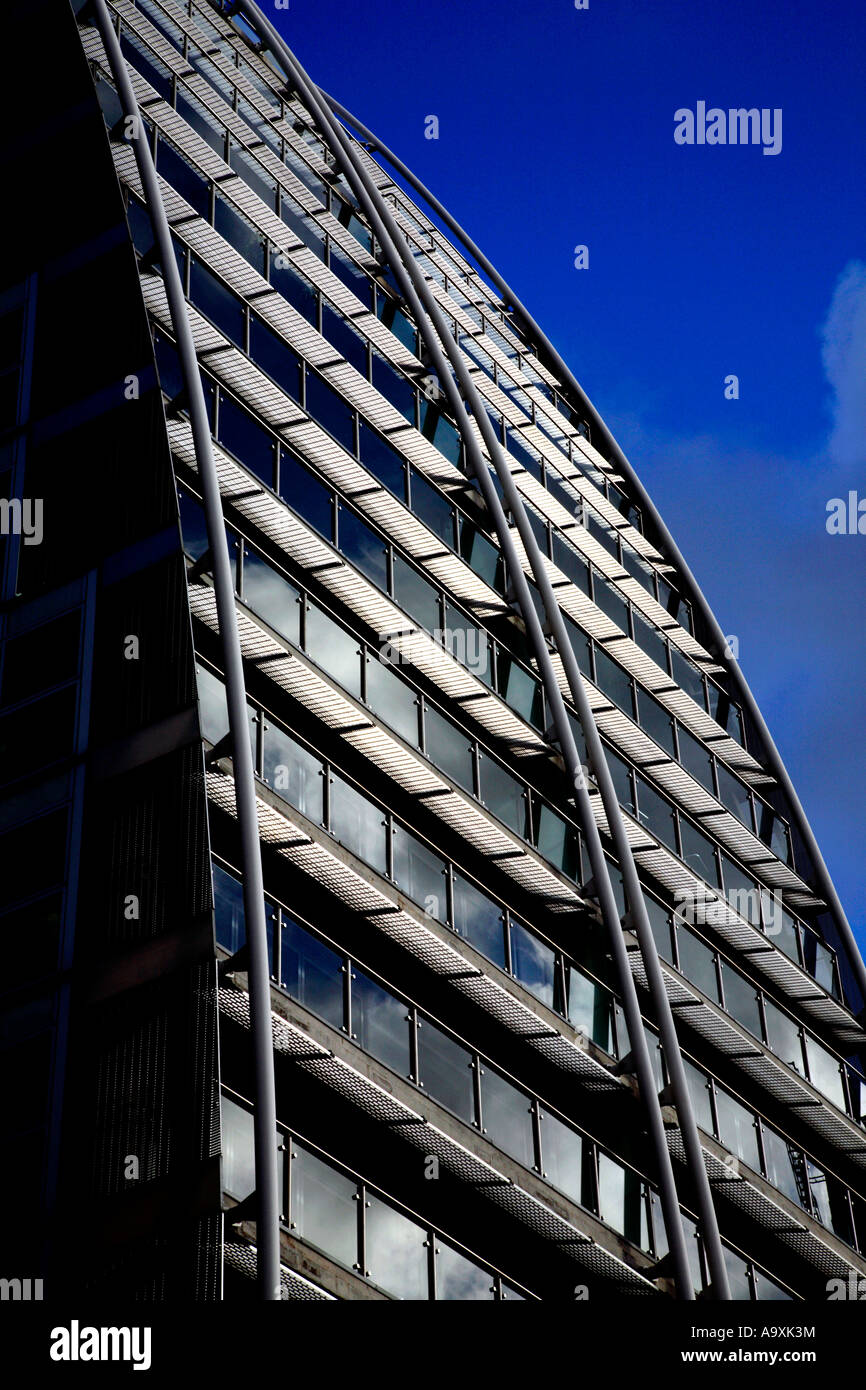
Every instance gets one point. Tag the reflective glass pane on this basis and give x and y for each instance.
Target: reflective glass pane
(504, 796)
(448, 748)
(650, 640)
(741, 1000)
(610, 602)
(589, 1009)
(700, 1096)
(738, 1276)
(242, 436)
(228, 895)
(305, 494)
(613, 681)
(478, 919)
(533, 963)
(468, 644)
(458, 1278)
(655, 813)
(381, 459)
(272, 597)
(557, 841)
(825, 1073)
(246, 240)
(395, 1250)
(420, 873)
(380, 1022)
(766, 1291)
(330, 411)
(785, 1167)
(216, 301)
(655, 719)
(698, 852)
(324, 1210)
(696, 760)
(445, 1070)
(783, 1035)
(346, 339)
(507, 1117)
(238, 1150)
(519, 689)
(363, 547)
(741, 891)
(275, 357)
(660, 921)
(621, 774)
(734, 795)
(358, 824)
(293, 771)
(432, 508)
(312, 973)
(697, 963)
(288, 281)
(737, 1129)
(334, 649)
(392, 699)
(480, 554)
(561, 1156)
(688, 677)
(415, 596)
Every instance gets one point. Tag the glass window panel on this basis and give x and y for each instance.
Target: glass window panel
(767, 1291)
(504, 796)
(734, 795)
(738, 1276)
(785, 1166)
(469, 644)
(519, 689)
(699, 1091)
(305, 494)
(830, 1202)
(638, 569)
(656, 813)
(478, 919)
(168, 366)
(480, 554)
(396, 1251)
(533, 963)
(824, 1072)
(288, 281)
(589, 1009)
(698, 852)
(194, 189)
(394, 387)
(244, 437)
(334, 649)
(741, 891)
(420, 873)
(413, 594)
(687, 677)
(621, 775)
(238, 1150)
(380, 1023)
(741, 1000)
(239, 233)
(432, 508)
(445, 1070)
(149, 67)
(324, 1209)
(561, 1156)
(610, 602)
(571, 563)
(656, 721)
(202, 122)
(696, 760)
(212, 710)
(228, 896)
(381, 459)
(613, 681)
(330, 411)
(460, 1279)
(216, 301)
(660, 921)
(363, 547)
(192, 525)
(312, 973)
(650, 640)
(294, 772)
(448, 748)
(556, 840)
(351, 275)
(507, 1117)
(697, 963)
(271, 596)
(303, 226)
(783, 1035)
(611, 1192)
(358, 824)
(581, 646)
(275, 357)
(737, 1129)
(392, 699)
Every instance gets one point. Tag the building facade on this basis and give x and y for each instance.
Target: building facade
(449, 593)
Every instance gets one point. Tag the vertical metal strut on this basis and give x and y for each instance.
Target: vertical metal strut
(435, 332)
(267, 1178)
(717, 639)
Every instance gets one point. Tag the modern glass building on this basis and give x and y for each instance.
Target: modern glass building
(404, 895)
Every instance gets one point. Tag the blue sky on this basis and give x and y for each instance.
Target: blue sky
(556, 129)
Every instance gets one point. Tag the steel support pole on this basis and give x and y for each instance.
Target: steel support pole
(267, 1176)
(436, 335)
(717, 641)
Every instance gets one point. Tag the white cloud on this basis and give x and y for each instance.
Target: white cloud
(843, 351)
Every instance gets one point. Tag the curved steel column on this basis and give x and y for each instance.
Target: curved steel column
(267, 1176)
(773, 757)
(436, 335)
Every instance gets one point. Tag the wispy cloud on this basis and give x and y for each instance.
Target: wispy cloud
(843, 351)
